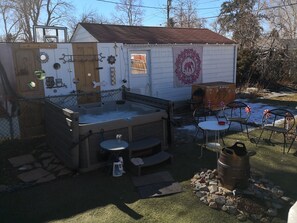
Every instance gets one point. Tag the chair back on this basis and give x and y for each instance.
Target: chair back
(201, 114)
(281, 118)
(237, 109)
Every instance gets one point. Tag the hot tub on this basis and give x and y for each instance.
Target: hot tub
(74, 133)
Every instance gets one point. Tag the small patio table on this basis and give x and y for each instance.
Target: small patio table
(216, 128)
(115, 146)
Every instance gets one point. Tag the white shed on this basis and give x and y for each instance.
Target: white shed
(159, 61)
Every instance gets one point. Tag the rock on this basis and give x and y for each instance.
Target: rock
(265, 220)
(202, 187)
(202, 180)
(220, 200)
(212, 182)
(229, 202)
(26, 167)
(271, 212)
(213, 188)
(241, 217)
(231, 210)
(224, 208)
(199, 194)
(256, 217)
(204, 200)
(215, 172)
(286, 199)
(213, 205)
(211, 176)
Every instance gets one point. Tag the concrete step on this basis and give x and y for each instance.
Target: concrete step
(143, 147)
(149, 161)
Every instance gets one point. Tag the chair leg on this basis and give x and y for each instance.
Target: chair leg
(293, 140)
(270, 135)
(247, 131)
(259, 137)
(285, 142)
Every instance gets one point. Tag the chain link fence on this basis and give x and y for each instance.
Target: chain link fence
(28, 121)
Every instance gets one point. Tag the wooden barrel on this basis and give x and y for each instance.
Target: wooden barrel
(233, 167)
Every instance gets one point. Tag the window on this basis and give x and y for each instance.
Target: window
(138, 63)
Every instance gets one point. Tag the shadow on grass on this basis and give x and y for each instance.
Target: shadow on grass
(96, 193)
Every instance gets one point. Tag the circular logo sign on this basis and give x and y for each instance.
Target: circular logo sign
(188, 66)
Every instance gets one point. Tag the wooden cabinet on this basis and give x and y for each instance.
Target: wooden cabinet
(214, 94)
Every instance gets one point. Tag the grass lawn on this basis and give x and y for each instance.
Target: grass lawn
(97, 197)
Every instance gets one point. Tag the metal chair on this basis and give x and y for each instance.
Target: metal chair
(293, 137)
(277, 121)
(238, 112)
(201, 114)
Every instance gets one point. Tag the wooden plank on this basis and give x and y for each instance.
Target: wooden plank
(83, 67)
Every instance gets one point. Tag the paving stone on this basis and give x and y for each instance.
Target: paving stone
(64, 172)
(51, 166)
(46, 162)
(59, 167)
(26, 167)
(46, 155)
(33, 175)
(46, 179)
(37, 165)
(21, 160)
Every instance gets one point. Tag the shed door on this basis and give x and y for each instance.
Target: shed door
(139, 72)
(86, 65)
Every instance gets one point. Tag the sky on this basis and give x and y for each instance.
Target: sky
(154, 10)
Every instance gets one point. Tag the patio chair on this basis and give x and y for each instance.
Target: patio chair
(201, 114)
(277, 121)
(238, 112)
(293, 137)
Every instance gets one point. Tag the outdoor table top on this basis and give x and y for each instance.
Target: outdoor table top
(114, 145)
(212, 126)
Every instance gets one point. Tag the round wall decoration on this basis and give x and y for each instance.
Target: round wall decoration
(111, 59)
(57, 66)
(43, 57)
(188, 66)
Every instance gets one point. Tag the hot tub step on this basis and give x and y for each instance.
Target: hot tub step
(144, 147)
(149, 161)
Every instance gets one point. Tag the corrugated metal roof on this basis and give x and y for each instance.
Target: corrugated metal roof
(153, 35)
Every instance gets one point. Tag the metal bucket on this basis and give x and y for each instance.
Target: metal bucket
(233, 166)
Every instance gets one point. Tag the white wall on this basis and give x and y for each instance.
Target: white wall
(81, 35)
(106, 50)
(218, 64)
(66, 71)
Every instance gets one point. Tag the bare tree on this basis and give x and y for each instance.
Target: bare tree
(129, 12)
(283, 18)
(87, 16)
(9, 20)
(28, 13)
(185, 15)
